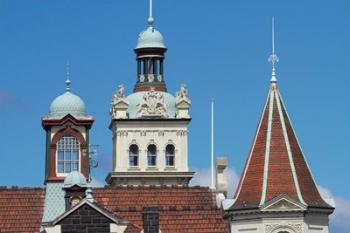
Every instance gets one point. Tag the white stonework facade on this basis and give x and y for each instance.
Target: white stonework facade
(280, 215)
(144, 133)
(280, 224)
(159, 122)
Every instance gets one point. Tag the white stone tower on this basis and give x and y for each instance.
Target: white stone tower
(150, 126)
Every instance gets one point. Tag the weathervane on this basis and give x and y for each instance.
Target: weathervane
(273, 57)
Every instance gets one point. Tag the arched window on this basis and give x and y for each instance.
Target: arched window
(170, 155)
(67, 154)
(152, 155)
(133, 155)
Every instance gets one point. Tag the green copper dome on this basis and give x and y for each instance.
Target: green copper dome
(75, 178)
(68, 103)
(150, 38)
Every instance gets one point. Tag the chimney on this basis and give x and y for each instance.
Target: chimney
(150, 218)
(221, 179)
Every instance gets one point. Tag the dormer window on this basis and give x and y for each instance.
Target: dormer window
(170, 155)
(67, 154)
(133, 155)
(152, 155)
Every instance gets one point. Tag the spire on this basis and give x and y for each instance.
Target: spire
(150, 19)
(276, 164)
(273, 57)
(68, 77)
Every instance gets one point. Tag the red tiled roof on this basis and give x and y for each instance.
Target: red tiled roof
(182, 209)
(21, 209)
(273, 157)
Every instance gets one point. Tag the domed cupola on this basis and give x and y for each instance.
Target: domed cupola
(75, 186)
(67, 103)
(150, 38)
(150, 53)
(75, 178)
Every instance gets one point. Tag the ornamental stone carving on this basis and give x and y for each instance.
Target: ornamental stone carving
(151, 78)
(142, 78)
(118, 103)
(159, 77)
(293, 227)
(183, 103)
(182, 94)
(152, 105)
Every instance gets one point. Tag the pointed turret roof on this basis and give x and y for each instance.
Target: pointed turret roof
(276, 164)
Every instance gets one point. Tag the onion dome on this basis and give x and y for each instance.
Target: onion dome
(67, 103)
(75, 178)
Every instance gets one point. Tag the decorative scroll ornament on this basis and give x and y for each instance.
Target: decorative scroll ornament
(151, 78)
(152, 105)
(142, 78)
(182, 94)
(116, 98)
(294, 227)
(159, 77)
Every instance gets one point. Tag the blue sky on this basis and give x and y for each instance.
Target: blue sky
(218, 48)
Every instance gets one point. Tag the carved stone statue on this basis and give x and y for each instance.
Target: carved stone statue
(116, 98)
(182, 94)
(120, 91)
(182, 102)
(152, 105)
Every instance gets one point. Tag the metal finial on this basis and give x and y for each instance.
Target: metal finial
(88, 194)
(150, 17)
(273, 57)
(68, 77)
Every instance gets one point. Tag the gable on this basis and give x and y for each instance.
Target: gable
(86, 218)
(283, 203)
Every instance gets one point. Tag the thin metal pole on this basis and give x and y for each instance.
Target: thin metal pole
(212, 143)
(273, 35)
(150, 9)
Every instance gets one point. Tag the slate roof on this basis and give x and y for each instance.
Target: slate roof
(182, 209)
(21, 209)
(276, 164)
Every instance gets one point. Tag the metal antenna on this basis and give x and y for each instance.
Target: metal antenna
(150, 17)
(273, 57)
(91, 152)
(68, 76)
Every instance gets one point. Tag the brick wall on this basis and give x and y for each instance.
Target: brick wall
(85, 220)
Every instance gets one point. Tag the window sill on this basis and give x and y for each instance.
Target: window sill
(133, 169)
(170, 168)
(152, 168)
